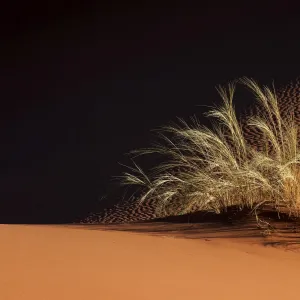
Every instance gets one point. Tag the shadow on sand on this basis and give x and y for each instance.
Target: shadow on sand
(275, 230)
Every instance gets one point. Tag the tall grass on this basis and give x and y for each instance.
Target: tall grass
(216, 168)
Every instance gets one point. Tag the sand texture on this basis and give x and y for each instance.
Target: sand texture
(86, 262)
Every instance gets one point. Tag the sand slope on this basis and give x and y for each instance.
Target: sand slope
(60, 262)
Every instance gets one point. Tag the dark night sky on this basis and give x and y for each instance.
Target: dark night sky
(80, 86)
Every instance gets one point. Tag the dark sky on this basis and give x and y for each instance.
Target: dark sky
(82, 85)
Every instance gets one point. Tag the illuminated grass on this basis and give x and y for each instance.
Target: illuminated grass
(216, 168)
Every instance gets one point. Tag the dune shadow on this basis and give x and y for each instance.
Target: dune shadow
(292, 243)
(281, 231)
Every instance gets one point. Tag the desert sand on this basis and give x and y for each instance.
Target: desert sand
(85, 262)
(152, 260)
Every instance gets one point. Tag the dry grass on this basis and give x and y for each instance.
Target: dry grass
(216, 168)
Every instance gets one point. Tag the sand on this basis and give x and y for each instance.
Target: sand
(152, 261)
(76, 262)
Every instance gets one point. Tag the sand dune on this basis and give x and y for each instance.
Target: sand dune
(74, 262)
(167, 261)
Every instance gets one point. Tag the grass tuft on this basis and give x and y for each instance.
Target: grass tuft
(217, 168)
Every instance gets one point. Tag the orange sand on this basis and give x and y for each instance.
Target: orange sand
(71, 262)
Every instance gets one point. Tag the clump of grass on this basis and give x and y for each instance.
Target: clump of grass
(217, 168)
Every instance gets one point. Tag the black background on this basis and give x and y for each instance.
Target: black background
(82, 84)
